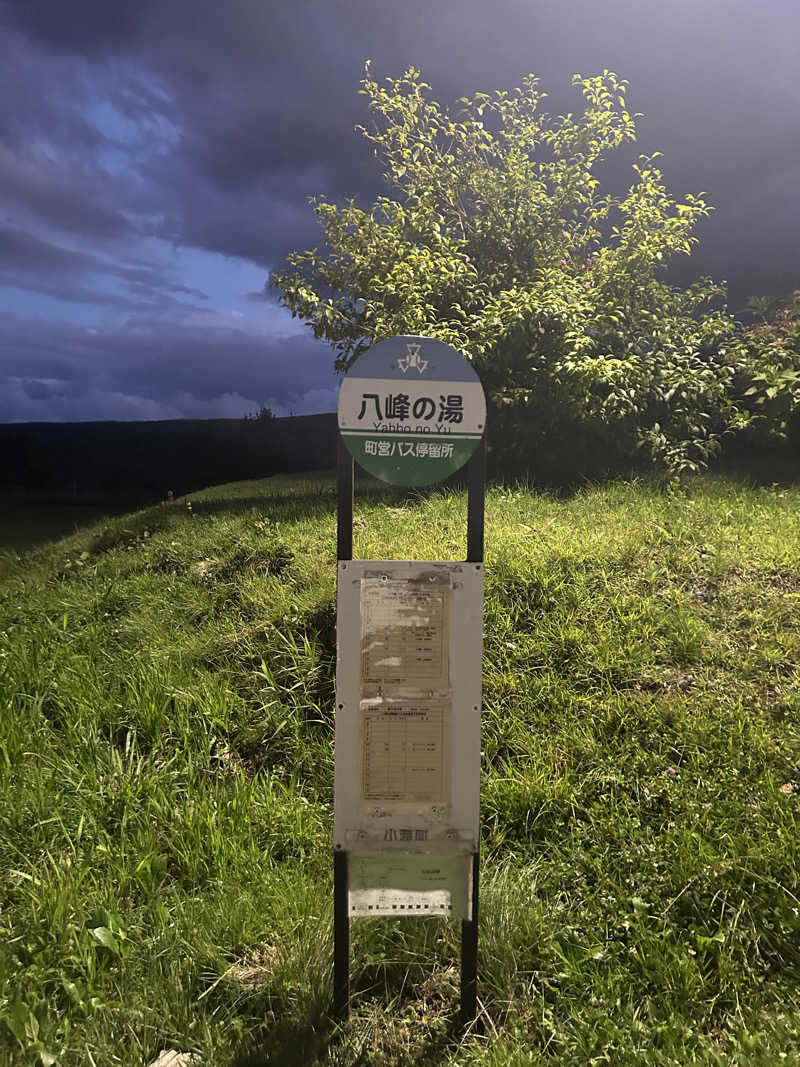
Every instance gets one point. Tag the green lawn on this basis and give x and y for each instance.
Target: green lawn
(166, 775)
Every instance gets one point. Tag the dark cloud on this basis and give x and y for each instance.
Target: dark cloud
(83, 25)
(32, 263)
(30, 112)
(25, 252)
(68, 198)
(170, 370)
(252, 223)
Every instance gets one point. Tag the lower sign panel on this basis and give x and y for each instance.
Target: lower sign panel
(410, 883)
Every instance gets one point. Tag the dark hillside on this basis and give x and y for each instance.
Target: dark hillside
(154, 457)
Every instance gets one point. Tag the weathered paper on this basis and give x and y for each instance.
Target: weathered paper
(405, 746)
(405, 633)
(407, 883)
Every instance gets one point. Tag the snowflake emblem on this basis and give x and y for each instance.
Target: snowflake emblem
(412, 359)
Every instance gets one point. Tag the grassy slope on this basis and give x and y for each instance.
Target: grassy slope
(166, 695)
(32, 518)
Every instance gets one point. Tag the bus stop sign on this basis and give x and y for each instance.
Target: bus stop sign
(411, 410)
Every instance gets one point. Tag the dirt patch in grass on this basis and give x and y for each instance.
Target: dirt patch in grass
(251, 972)
(782, 581)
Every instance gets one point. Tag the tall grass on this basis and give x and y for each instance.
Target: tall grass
(166, 727)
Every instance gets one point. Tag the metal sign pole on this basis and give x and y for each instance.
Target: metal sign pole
(345, 492)
(476, 494)
(345, 469)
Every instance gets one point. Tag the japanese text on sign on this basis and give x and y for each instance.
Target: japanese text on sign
(399, 406)
(421, 449)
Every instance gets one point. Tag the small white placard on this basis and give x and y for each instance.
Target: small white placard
(408, 883)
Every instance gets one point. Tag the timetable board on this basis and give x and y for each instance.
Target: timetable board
(407, 779)
(404, 630)
(405, 749)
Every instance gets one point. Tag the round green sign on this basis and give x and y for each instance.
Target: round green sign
(411, 410)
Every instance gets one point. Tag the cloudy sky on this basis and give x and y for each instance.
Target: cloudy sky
(156, 157)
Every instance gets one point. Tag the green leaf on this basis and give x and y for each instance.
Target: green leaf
(106, 938)
(22, 1023)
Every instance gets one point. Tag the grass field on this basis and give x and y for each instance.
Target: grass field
(166, 693)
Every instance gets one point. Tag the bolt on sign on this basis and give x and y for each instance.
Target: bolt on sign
(411, 410)
(408, 669)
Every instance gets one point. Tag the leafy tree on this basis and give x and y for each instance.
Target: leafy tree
(760, 307)
(768, 379)
(264, 414)
(499, 241)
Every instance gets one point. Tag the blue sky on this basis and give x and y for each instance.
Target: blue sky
(156, 158)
